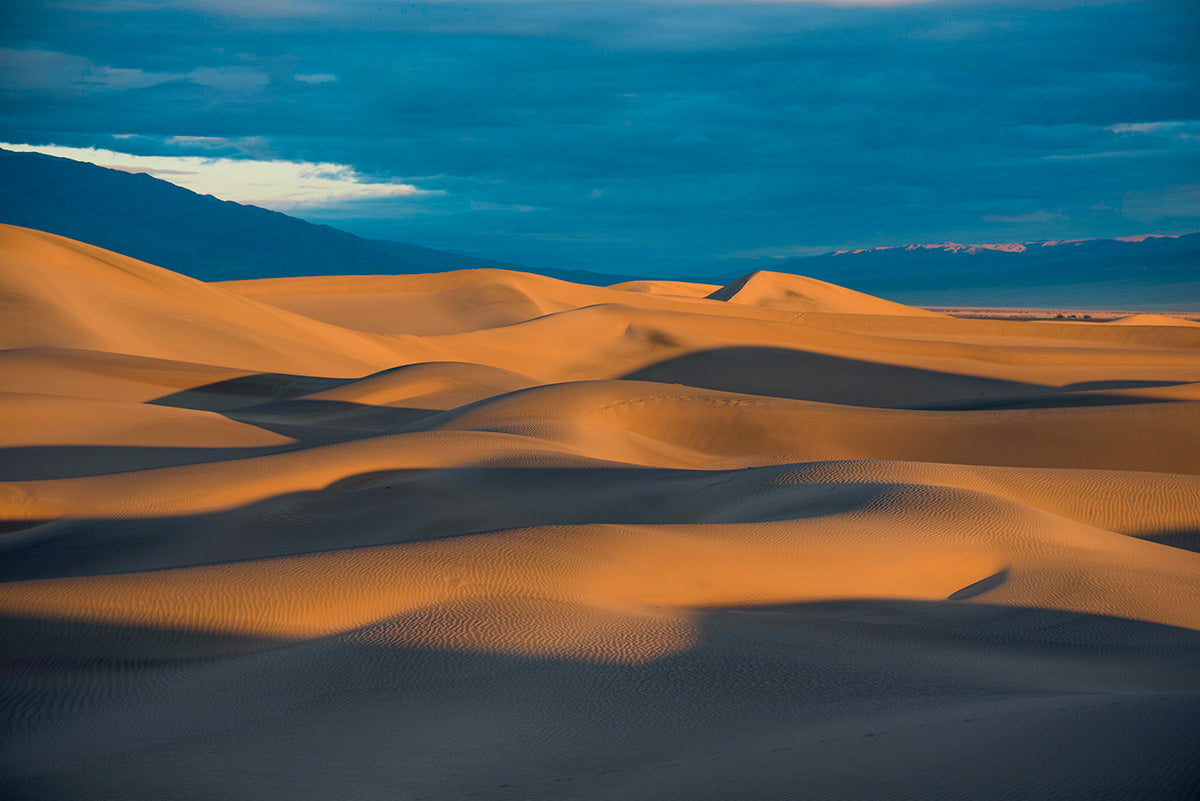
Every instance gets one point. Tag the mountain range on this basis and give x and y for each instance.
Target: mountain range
(202, 236)
(1148, 271)
(211, 239)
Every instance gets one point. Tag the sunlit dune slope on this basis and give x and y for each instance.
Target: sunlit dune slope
(39, 420)
(106, 376)
(569, 428)
(905, 551)
(798, 293)
(711, 344)
(436, 303)
(461, 301)
(429, 385)
(682, 289)
(448, 303)
(489, 534)
(1155, 319)
(57, 293)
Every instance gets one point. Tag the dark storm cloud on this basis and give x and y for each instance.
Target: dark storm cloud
(651, 134)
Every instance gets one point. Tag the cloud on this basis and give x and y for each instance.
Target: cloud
(1141, 127)
(206, 142)
(256, 148)
(1169, 202)
(779, 252)
(1181, 129)
(236, 8)
(1039, 216)
(62, 73)
(229, 78)
(335, 8)
(25, 70)
(649, 133)
(271, 184)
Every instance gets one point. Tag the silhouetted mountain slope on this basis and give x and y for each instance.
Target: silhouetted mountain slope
(199, 235)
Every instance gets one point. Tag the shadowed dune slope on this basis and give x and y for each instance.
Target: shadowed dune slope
(492, 535)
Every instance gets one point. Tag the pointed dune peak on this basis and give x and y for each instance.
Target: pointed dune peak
(59, 293)
(802, 294)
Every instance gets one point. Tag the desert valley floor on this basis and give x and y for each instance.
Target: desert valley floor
(492, 535)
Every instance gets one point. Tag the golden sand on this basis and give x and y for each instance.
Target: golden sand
(367, 517)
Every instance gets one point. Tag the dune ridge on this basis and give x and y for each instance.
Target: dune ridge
(780, 290)
(64, 294)
(489, 534)
(1155, 320)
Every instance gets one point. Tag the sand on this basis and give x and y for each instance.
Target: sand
(493, 535)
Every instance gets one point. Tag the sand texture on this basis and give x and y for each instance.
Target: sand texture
(492, 535)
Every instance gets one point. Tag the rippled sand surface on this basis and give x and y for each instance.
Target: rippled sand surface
(493, 535)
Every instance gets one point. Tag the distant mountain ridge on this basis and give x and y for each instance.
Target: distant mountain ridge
(1152, 271)
(202, 236)
(214, 240)
(1003, 247)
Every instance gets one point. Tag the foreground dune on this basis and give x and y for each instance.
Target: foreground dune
(488, 534)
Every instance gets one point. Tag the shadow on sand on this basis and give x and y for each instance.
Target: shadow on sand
(803, 375)
(848, 700)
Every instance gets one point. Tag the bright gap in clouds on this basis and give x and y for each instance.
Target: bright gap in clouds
(271, 184)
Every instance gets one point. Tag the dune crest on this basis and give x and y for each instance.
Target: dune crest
(796, 292)
(680, 289)
(58, 293)
(492, 534)
(1155, 319)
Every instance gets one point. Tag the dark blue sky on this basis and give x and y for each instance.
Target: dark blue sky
(648, 137)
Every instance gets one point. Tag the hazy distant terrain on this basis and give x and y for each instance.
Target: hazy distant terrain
(213, 240)
(1155, 272)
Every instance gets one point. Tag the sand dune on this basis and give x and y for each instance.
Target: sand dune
(799, 293)
(1155, 319)
(63, 294)
(679, 289)
(32, 420)
(437, 303)
(488, 534)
